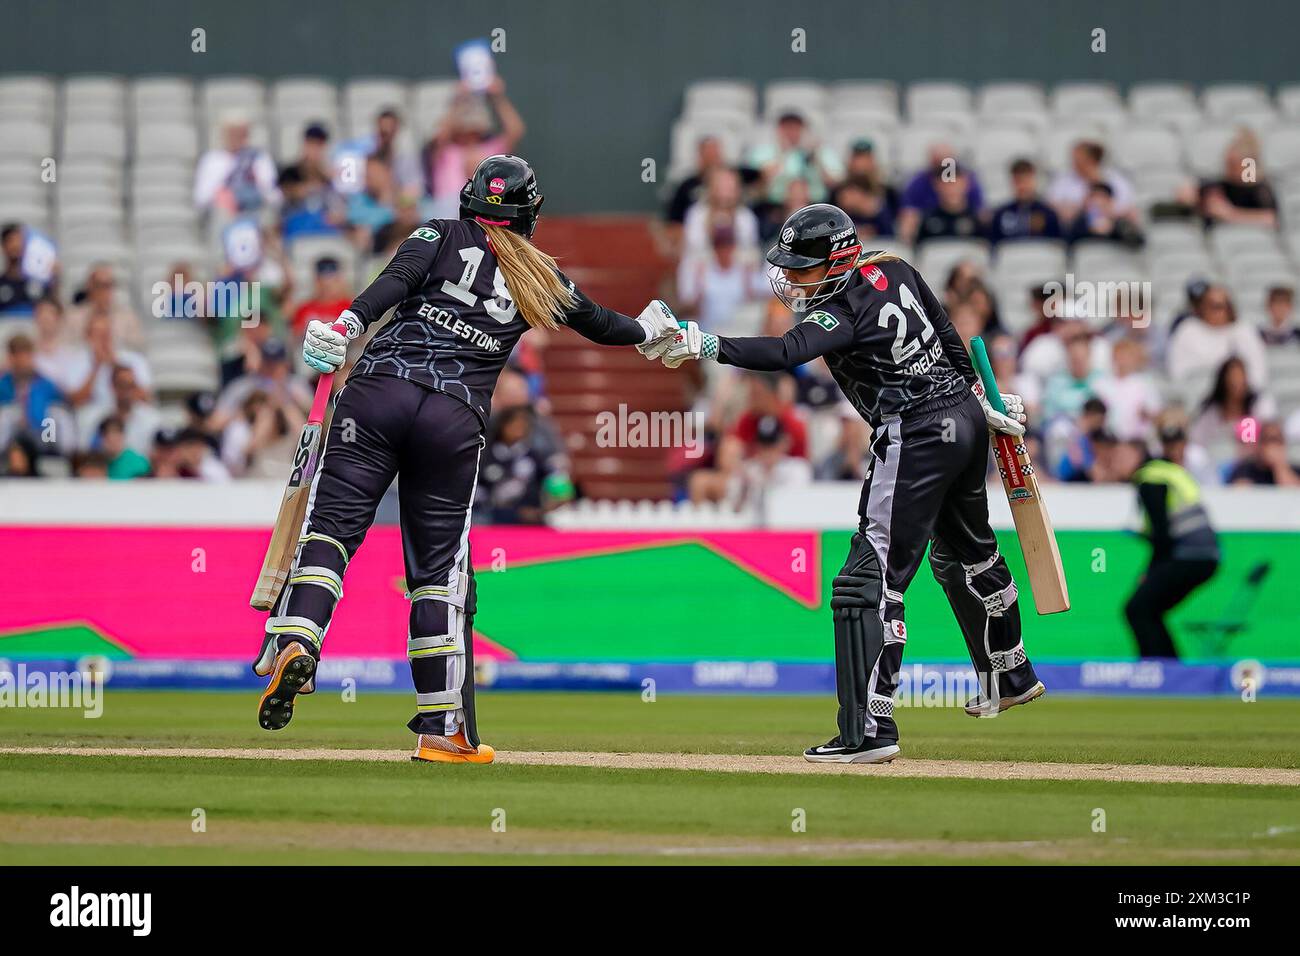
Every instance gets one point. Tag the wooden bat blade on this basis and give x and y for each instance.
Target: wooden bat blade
(288, 523)
(1033, 526)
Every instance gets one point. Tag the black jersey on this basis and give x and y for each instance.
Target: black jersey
(455, 323)
(886, 339)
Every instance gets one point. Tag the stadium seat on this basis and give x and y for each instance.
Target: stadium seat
(1288, 101)
(157, 99)
(244, 94)
(1060, 139)
(1204, 146)
(157, 140)
(869, 95)
(938, 96)
(26, 139)
(1071, 100)
(95, 139)
(429, 102)
(803, 96)
(1146, 147)
(728, 95)
(999, 146)
(936, 257)
(913, 146)
(996, 99)
(28, 96)
(1030, 260)
(95, 98)
(363, 100)
(1281, 149)
(1228, 101)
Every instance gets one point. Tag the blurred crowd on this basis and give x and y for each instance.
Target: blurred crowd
(1100, 387)
(77, 387)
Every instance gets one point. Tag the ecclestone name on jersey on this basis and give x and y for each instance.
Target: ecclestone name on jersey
(443, 318)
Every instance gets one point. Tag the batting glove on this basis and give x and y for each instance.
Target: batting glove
(1012, 423)
(690, 343)
(660, 327)
(325, 349)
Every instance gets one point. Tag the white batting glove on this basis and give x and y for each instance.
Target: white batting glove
(324, 349)
(1012, 423)
(690, 343)
(660, 326)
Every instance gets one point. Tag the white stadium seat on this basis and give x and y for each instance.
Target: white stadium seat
(733, 95)
(1145, 147)
(928, 98)
(1227, 101)
(995, 99)
(801, 96)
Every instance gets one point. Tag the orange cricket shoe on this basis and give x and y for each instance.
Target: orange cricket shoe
(292, 675)
(453, 749)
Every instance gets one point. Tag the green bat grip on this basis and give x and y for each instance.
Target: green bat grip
(980, 356)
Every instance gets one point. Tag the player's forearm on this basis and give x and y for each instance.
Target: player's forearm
(766, 353)
(400, 278)
(607, 327)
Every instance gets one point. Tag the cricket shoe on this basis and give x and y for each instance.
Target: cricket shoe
(454, 749)
(294, 670)
(981, 706)
(871, 750)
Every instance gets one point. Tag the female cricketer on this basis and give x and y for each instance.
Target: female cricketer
(416, 407)
(902, 365)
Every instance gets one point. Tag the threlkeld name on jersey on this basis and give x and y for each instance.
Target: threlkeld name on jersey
(459, 328)
(927, 360)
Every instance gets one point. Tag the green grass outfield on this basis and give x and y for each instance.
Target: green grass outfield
(140, 809)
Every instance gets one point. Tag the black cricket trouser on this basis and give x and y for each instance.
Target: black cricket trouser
(385, 427)
(1164, 586)
(927, 481)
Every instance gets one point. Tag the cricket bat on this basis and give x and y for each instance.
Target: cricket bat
(293, 507)
(1028, 510)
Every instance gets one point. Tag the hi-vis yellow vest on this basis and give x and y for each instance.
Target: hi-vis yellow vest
(1189, 523)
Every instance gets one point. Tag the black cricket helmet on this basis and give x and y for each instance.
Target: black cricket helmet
(820, 234)
(503, 192)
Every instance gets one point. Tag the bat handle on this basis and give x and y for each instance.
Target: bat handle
(980, 358)
(324, 385)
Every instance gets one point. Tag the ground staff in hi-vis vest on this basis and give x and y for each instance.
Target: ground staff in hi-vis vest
(1184, 551)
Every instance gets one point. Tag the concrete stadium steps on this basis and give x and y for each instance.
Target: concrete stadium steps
(614, 261)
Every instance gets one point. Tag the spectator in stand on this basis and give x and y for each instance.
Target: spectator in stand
(314, 167)
(18, 291)
(20, 456)
(1045, 356)
(177, 300)
(720, 208)
(260, 437)
(387, 145)
(1232, 409)
(865, 195)
(194, 458)
(1041, 305)
(238, 338)
(406, 219)
(953, 216)
(1171, 429)
(1195, 291)
(29, 402)
(201, 414)
(768, 465)
(1074, 445)
(1026, 216)
(772, 217)
(1243, 195)
(795, 155)
(90, 373)
(715, 285)
(465, 137)
(1003, 356)
(1265, 462)
(331, 294)
(1068, 192)
(1065, 392)
(1210, 336)
(517, 484)
(373, 207)
(922, 192)
(307, 210)
(1132, 396)
(131, 405)
(708, 157)
(1100, 219)
(121, 461)
(56, 357)
(851, 455)
(90, 465)
(288, 394)
(1280, 327)
(99, 297)
(236, 177)
(965, 287)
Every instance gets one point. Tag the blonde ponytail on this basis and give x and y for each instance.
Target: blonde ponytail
(880, 255)
(532, 278)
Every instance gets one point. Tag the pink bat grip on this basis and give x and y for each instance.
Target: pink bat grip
(323, 387)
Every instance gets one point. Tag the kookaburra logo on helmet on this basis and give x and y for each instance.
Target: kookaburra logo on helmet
(787, 235)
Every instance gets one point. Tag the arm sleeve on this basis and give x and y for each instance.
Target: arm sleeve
(599, 324)
(805, 342)
(402, 276)
(1152, 497)
(953, 347)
